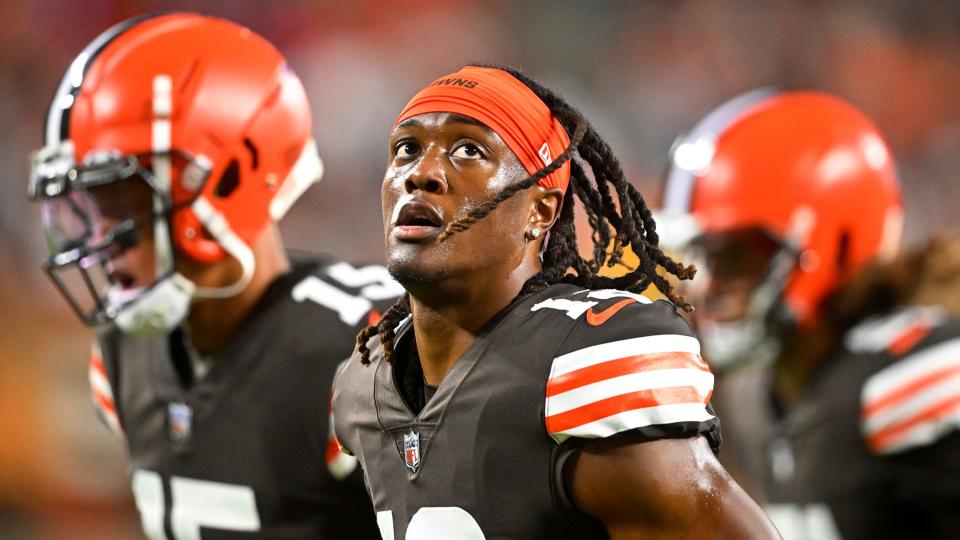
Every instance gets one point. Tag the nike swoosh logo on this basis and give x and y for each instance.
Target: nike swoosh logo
(596, 319)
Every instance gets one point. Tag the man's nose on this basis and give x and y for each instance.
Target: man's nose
(428, 173)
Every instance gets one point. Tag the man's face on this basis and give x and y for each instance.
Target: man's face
(732, 265)
(441, 166)
(129, 199)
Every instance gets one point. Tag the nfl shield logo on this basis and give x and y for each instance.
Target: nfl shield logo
(411, 450)
(179, 416)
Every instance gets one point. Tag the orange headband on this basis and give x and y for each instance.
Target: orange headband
(498, 100)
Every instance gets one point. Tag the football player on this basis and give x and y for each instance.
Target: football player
(514, 392)
(173, 146)
(846, 409)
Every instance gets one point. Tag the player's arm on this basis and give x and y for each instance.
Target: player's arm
(340, 462)
(630, 390)
(909, 418)
(668, 488)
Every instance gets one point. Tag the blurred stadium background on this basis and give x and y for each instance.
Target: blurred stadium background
(643, 71)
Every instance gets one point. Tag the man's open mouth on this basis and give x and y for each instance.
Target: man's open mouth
(417, 220)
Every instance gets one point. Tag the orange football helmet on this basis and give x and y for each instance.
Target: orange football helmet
(809, 170)
(210, 116)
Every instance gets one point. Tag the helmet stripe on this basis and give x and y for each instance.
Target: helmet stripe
(692, 152)
(58, 116)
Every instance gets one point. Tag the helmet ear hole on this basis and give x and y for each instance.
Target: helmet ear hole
(229, 180)
(843, 251)
(254, 155)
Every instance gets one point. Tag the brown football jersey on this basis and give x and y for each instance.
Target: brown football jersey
(246, 450)
(482, 457)
(872, 448)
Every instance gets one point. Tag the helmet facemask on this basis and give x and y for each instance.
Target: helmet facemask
(812, 172)
(95, 216)
(208, 119)
(743, 320)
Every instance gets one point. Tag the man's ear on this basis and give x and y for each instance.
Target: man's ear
(545, 207)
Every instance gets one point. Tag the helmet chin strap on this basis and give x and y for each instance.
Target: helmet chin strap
(166, 304)
(214, 222)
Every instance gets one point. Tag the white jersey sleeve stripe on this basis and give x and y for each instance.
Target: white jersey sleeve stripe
(614, 350)
(925, 428)
(339, 463)
(911, 368)
(100, 385)
(101, 392)
(911, 406)
(634, 382)
(627, 420)
(111, 420)
(598, 390)
(911, 403)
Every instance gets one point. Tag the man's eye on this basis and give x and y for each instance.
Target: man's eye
(406, 149)
(468, 151)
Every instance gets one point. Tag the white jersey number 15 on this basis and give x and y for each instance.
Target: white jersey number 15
(194, 504)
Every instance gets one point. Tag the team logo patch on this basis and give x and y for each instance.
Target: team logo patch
(179, 418)
(545, 154)
(411, 450)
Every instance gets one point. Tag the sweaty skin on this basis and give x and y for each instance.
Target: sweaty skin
(452, 163)
(668, 488)
(447, 164)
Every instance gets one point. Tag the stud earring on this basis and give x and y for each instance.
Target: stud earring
(533, 233)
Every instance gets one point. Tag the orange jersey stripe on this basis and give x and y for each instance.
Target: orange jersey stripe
(333, 449)
(104, 402)
(96, 363)
(884, 437)
(909, 390)
(623, 366)
(607, 407)
(907, 339)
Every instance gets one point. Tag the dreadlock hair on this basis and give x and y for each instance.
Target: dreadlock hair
(616, 223)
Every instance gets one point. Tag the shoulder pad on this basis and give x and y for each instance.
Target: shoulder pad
(627, 364)
(913, 402)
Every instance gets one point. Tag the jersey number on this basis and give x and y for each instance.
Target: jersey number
(575, 308)
(447, 522)
(194, 504)
(373, 281)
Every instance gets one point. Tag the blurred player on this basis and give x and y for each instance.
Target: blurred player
(514, 392)
(846, 412)
(173, 146)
